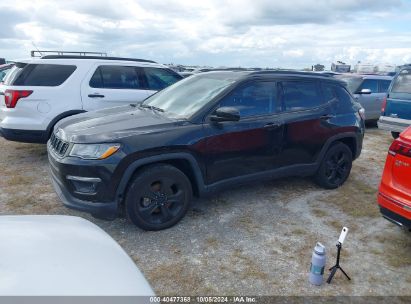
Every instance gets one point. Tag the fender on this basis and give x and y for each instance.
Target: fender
(60, 117)
(332, 140)
(131, 169)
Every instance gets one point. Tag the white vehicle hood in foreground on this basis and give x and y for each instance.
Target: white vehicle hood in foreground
(64, 255)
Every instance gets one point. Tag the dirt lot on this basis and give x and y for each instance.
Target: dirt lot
(254, 240)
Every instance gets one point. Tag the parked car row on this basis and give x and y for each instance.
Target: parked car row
(116, 146)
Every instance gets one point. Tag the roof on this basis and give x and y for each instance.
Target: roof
(64, 255)
(365, 76)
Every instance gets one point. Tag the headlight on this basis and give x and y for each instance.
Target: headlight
(94, 151)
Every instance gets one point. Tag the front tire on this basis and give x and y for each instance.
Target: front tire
(395, 135)
(158, 197)
(335, 167)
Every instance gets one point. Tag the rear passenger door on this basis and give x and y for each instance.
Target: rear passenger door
(308, 116)
(113, 85)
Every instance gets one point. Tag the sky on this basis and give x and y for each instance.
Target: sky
(248, 33)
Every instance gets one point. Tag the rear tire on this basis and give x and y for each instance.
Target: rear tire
(335, 167)
(158, 197)
(395, 135)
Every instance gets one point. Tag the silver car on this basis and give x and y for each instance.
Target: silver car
(369, 91)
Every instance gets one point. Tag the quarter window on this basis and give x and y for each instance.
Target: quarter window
(384, 85)
(115, 77)
(253, 99)
(329, 93)
(300, 95)
(47, 75)
(158, 79)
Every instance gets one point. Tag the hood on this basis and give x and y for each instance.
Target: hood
(111, 124)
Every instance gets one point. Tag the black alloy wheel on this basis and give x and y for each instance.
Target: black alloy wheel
(158, 197)
(335, 167)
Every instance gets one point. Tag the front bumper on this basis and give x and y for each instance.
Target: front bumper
(83, 185)
(393, 124)
(99, 210)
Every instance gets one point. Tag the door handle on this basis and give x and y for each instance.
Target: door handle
(95, 95)
(272, 125)
(327, 116)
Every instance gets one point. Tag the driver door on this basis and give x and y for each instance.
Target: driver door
(250, 145)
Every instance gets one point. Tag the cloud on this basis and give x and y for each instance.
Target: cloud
(265, 33)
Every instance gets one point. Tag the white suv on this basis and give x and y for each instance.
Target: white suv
(39, 92)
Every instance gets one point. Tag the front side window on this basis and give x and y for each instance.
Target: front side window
(253, 99)
(47, 75)
(115, 77)
(370, 84)
(299, 95)
(402, 83)
(158, 79)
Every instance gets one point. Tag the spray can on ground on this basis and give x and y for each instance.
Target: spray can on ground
(317, 264)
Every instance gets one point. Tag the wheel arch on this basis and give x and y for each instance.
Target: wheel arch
(349, 138)
(59, 117)
(185, 162)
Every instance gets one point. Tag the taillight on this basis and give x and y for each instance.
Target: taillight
(12, 96)
(398, 146)
(362, 113)
(384, 104)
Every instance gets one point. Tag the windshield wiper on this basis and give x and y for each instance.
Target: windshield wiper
(151, 107)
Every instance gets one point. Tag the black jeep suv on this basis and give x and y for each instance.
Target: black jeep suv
(206, 132)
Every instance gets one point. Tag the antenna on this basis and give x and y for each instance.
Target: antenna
(35, 46)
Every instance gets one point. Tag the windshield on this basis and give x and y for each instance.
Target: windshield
(186, 97)
(353, 83)
(402, 83)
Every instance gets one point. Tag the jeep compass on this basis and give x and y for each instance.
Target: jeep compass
(202, 134)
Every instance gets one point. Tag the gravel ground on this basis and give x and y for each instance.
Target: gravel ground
(254, 240)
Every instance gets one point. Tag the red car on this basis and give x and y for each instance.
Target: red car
(394, 197)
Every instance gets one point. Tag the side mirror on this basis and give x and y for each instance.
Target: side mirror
(365, 91)
(225, 114)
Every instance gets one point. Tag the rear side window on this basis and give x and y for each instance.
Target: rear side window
(371, 84)
(328, 92)
(158, 79)
(116, 77)
(384, 85)
(345, 101)
(402, 83)
(299, 95)
(45, 75)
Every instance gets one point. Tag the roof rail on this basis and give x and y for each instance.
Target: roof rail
(95, 57)
(40, 53)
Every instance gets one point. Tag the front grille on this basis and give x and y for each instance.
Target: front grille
(58, 145)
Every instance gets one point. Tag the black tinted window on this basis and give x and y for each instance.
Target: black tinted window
(402, 83)
(253, 99)
(48, 75)
(328, 92)
(384, 85)
(300, 95)
(158, 79)
(371, 84)
(115, 77)
(345, 100)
